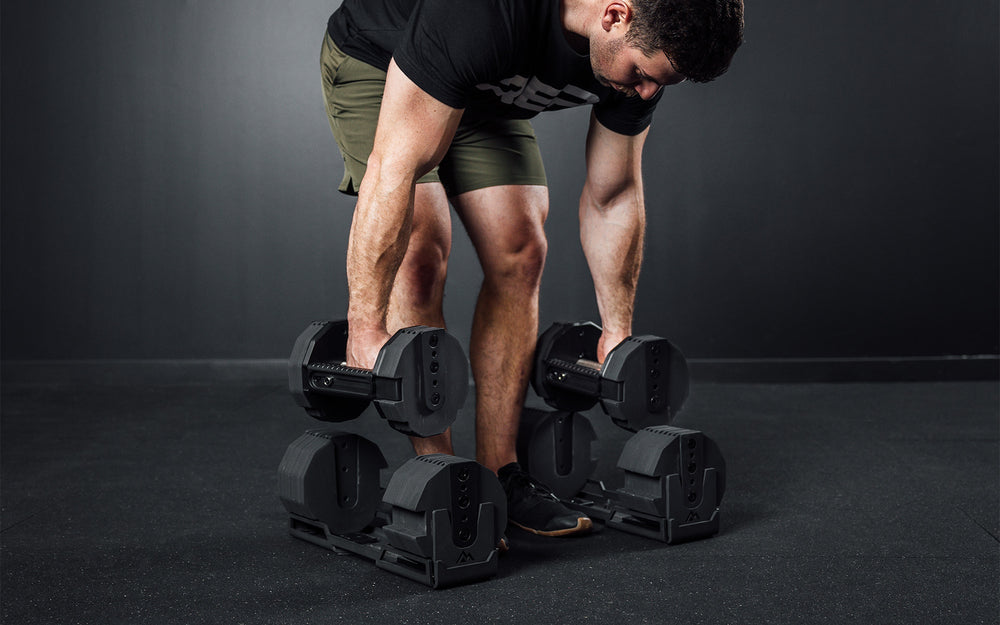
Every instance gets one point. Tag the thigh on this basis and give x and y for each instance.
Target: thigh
(492, 153)
(506, 224)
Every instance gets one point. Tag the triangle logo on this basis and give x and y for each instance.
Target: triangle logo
(465, 557)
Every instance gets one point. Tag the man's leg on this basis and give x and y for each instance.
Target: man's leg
(506, 226)
(418, 293)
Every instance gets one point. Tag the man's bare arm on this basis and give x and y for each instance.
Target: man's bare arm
(612, 227)
(414, 131)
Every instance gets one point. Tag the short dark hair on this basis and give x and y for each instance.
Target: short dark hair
(699, 37)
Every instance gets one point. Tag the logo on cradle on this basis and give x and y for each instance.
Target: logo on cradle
(534, 95)
(465, 557)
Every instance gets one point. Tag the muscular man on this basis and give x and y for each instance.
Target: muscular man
(429, 101)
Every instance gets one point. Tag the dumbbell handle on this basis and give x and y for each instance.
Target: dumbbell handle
(580, 376)
(339, 379)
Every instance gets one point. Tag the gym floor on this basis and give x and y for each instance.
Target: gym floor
(135, 494)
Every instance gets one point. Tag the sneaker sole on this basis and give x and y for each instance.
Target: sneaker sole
(583, 526)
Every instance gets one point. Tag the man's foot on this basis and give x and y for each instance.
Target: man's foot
(532, 507)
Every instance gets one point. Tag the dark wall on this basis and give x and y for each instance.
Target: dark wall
(168, 186)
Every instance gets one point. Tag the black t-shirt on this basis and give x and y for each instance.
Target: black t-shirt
(494, 58)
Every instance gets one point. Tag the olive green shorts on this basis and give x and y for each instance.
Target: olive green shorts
(484, 153)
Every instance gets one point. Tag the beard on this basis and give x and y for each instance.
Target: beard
(602, 56)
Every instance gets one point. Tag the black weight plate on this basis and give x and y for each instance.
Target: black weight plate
(322, 341)
(429, 374)
(677, 475)
(439, 482)
(555, 448)
(332, 477)
(645, 381)
(658, 451)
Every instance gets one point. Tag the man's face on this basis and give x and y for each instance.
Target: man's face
(623, 67)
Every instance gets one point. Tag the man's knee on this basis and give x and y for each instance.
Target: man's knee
(507, 226)
(521, 263)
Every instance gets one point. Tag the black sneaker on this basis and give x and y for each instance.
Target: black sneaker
(532, 507)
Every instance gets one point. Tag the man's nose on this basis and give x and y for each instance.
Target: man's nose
(647, 89)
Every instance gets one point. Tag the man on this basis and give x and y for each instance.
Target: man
(428, 101)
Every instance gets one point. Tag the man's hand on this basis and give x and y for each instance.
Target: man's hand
(363, 347)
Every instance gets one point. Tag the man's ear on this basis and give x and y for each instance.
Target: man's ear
(616, 12)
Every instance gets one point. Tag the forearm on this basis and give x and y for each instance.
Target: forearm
(413, 134)
(379, 237)
(612, 233)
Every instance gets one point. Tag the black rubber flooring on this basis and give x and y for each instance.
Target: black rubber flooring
(128, 497)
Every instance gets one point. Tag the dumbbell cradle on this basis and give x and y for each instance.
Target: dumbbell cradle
(418, 383)
(643, 381)
(674, 478)
(437, 522)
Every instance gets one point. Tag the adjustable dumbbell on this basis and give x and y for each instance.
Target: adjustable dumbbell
(439, 519)
(418, 384)
(643, 381)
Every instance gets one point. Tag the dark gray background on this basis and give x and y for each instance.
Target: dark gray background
(168, 186)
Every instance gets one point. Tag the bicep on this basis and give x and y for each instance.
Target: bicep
(614, 162)
(414, 129)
